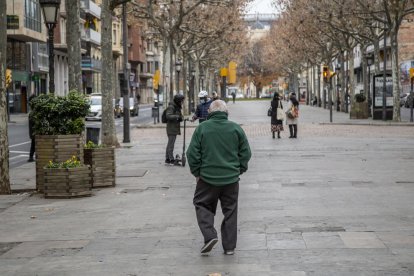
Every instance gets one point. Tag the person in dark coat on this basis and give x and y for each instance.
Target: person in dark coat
(276, 123)
(31, 130)
(174, 117)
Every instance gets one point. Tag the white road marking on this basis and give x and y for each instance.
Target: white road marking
(16, 145)
(19, 156)
(18, 151)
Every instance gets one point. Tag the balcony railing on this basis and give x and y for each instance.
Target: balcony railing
(93, 36)
(91, 64)
(90, 7)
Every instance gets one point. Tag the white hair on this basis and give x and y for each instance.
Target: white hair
(218, 105)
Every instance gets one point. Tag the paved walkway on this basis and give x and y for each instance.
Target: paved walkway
(336, 201)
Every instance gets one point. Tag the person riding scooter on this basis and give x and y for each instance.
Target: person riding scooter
(201, 112)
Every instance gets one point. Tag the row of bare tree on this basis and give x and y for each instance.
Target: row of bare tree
(205, 34)
(309, 33)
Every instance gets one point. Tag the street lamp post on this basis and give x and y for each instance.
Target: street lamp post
(202, 76)
(191, 100)
(384, 85)
(370, 60)
(178, 65)
(337, 70)
(50, 12)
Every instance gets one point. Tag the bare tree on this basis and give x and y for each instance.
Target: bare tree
(108, 122)
(4, 142)
(74, 45)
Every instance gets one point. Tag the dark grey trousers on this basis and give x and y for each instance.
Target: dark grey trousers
(169, 152)
(205, 200)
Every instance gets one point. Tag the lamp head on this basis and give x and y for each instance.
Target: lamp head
(50, 11)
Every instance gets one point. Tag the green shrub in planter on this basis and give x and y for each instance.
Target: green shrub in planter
(54, 115)
(58, 123)
(359, 98)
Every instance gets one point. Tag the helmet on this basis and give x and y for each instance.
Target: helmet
(178, 99)
(202, 94)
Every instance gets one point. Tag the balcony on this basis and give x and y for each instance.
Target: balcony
(117, 49)
(91, 64)
(92, 8)
(91, 36)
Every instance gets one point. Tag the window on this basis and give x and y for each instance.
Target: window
(62, 25)
(32, 15)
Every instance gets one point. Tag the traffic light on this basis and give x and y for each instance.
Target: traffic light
(325, 73)
(411, 73)
(8, 77)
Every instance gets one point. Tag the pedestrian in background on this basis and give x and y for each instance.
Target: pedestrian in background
(31, 130)
(292, 115)
(233, 94)
(217, 155)
(174, 117)
(276, 123)
(214, 96)
(201, 112)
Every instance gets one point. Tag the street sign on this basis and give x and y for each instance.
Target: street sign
(156, 79)
(12, 22)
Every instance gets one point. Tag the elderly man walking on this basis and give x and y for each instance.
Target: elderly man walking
(217, 155)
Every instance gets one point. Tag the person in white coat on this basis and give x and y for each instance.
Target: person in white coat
(292, 113)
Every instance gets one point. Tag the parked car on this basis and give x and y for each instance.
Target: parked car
(161, 97)
(95, 110)
(403, 99)
(133, 106)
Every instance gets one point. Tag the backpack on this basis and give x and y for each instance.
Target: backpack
(164, 116)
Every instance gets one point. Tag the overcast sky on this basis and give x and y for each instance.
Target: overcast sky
(261, 6)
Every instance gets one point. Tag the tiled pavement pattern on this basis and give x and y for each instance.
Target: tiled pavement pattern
(336, 201)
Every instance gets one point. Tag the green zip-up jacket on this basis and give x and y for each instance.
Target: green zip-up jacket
(218, 151)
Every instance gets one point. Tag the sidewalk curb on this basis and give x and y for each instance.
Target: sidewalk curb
(370, 124)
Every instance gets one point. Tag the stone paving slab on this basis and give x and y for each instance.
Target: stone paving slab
(335, 201)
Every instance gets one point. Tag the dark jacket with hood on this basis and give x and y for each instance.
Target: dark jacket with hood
(174, 117)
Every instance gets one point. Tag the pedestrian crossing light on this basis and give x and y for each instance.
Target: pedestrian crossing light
(325, 73)
(8, 78)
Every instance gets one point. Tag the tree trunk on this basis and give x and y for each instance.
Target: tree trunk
(351, 77)
(365, 72)
(343, 76)
(395, 76)
(108, 122)
(164, 72)
(73, 41)
(4, 142)
(171, 70)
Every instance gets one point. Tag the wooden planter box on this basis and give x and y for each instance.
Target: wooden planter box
(359, 110)
(67, 183)
(56, 148)
(102, 162)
